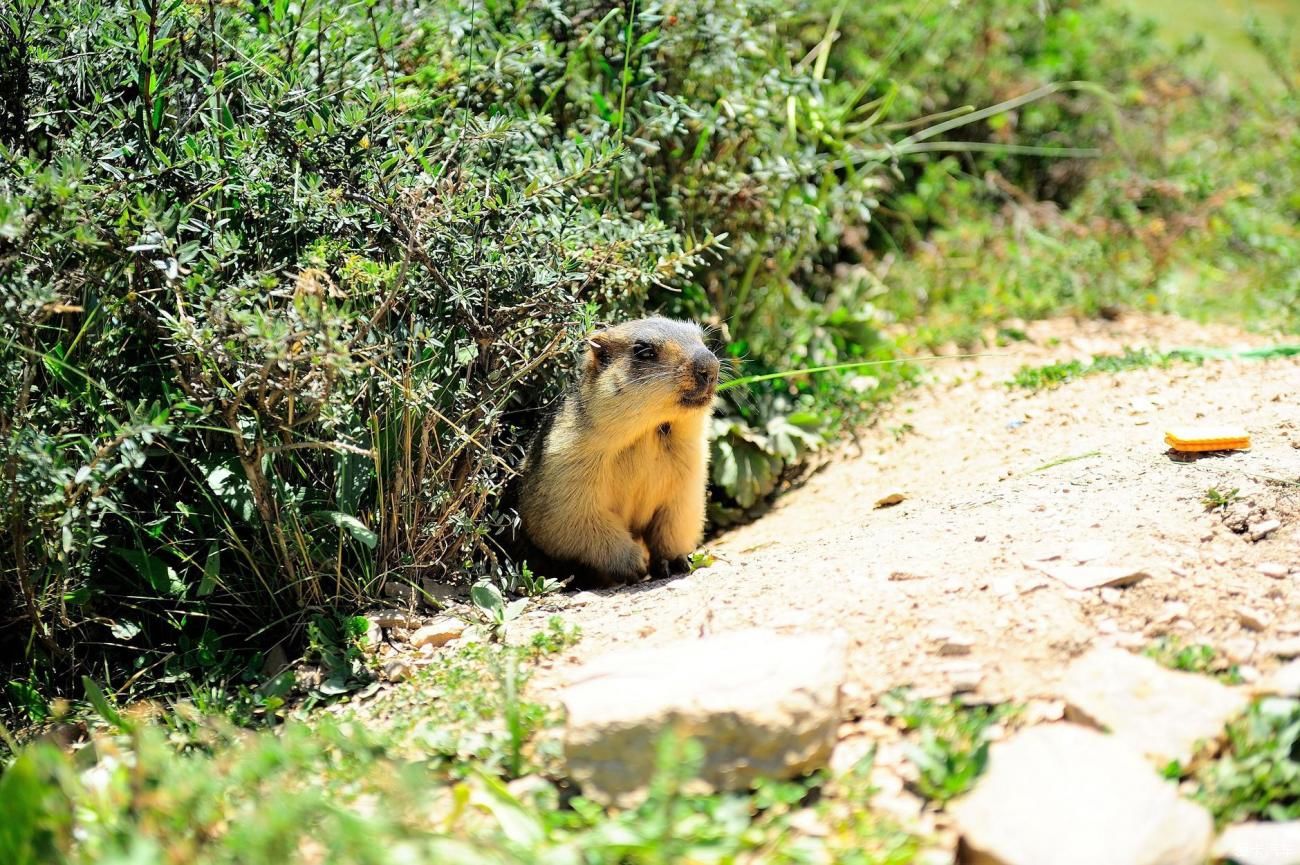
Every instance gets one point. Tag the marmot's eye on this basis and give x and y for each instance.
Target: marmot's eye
(644, 351)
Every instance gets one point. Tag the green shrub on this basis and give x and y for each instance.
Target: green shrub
(287, 284)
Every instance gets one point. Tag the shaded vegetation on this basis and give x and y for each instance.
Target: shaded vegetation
(287, 285)
(291, 283)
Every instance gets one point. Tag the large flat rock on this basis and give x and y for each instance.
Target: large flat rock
(762, 705)
(1260, 844)
(1162, 713)
(1062, 794)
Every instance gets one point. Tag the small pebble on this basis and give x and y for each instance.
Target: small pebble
(1276, 570)
(1259, 531)
(1239, 650)
(1255, 620)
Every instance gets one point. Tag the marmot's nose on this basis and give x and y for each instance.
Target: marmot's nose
(706, 368)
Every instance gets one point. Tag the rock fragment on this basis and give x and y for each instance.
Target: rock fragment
(760, 703)
(397, 670)
(1286, 649)
(1061, 794)
(1161, 713)
(1285, 682)
(952, 643)
(1255, 620)
(1082, 577)
(1260, 843)
(1259, 531)
(437, 633)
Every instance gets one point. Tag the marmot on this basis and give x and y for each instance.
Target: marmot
(614, 487)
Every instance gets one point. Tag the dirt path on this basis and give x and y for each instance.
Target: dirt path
(943, 591)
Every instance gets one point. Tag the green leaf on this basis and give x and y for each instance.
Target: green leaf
(517, 824)
(124, 629)
(30, 700)
(211, 571)
(232, 489)
(161, 576)
(105, 709)
(353, 526)
(487, 598)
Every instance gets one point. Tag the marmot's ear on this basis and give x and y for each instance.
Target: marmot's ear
(599, 347)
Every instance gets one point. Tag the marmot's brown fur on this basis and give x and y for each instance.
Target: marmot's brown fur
(616, 484)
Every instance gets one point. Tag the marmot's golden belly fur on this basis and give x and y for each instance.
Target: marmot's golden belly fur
(616, 484)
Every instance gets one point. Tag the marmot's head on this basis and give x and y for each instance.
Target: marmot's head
(654, 365)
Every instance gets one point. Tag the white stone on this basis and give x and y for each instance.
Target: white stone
(1259, 531)
(437, 633)
(1285, 681)
(397, 670)
(1255, 620)
(1161, 713)
(1082, 577)
(1289, 648)
(1260, 843)
(760, 703)
(1239, 650)
(1061, 794)
(1276, 570)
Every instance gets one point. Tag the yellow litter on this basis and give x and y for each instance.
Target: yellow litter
(1217, 438)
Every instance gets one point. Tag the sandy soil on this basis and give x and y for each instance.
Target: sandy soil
(944, 591)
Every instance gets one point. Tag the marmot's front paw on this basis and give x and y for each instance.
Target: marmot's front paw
(631, 567)
(670, 567)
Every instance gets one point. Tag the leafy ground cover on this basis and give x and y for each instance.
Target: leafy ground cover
(287, 285)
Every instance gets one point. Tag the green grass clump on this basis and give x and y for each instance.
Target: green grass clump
(452, 766)
(1257, 776)
(1216, 499)
(1172, 653)
(1056, 374)
(950, 740)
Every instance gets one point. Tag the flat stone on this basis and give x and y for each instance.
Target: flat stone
(1081, 577)
(1259, 531)
(437, 633)
(1161, 713)
(952, 643)
(398, 670)
(1260, 843)
(1087, 551)
(1287, 649)
(1276, 570)
(1239, 650)
(439, 594)
(400, 591)
(1255, 620)
(1061, 794)
(1172, 611)
(761, 704)
(1285, 681)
